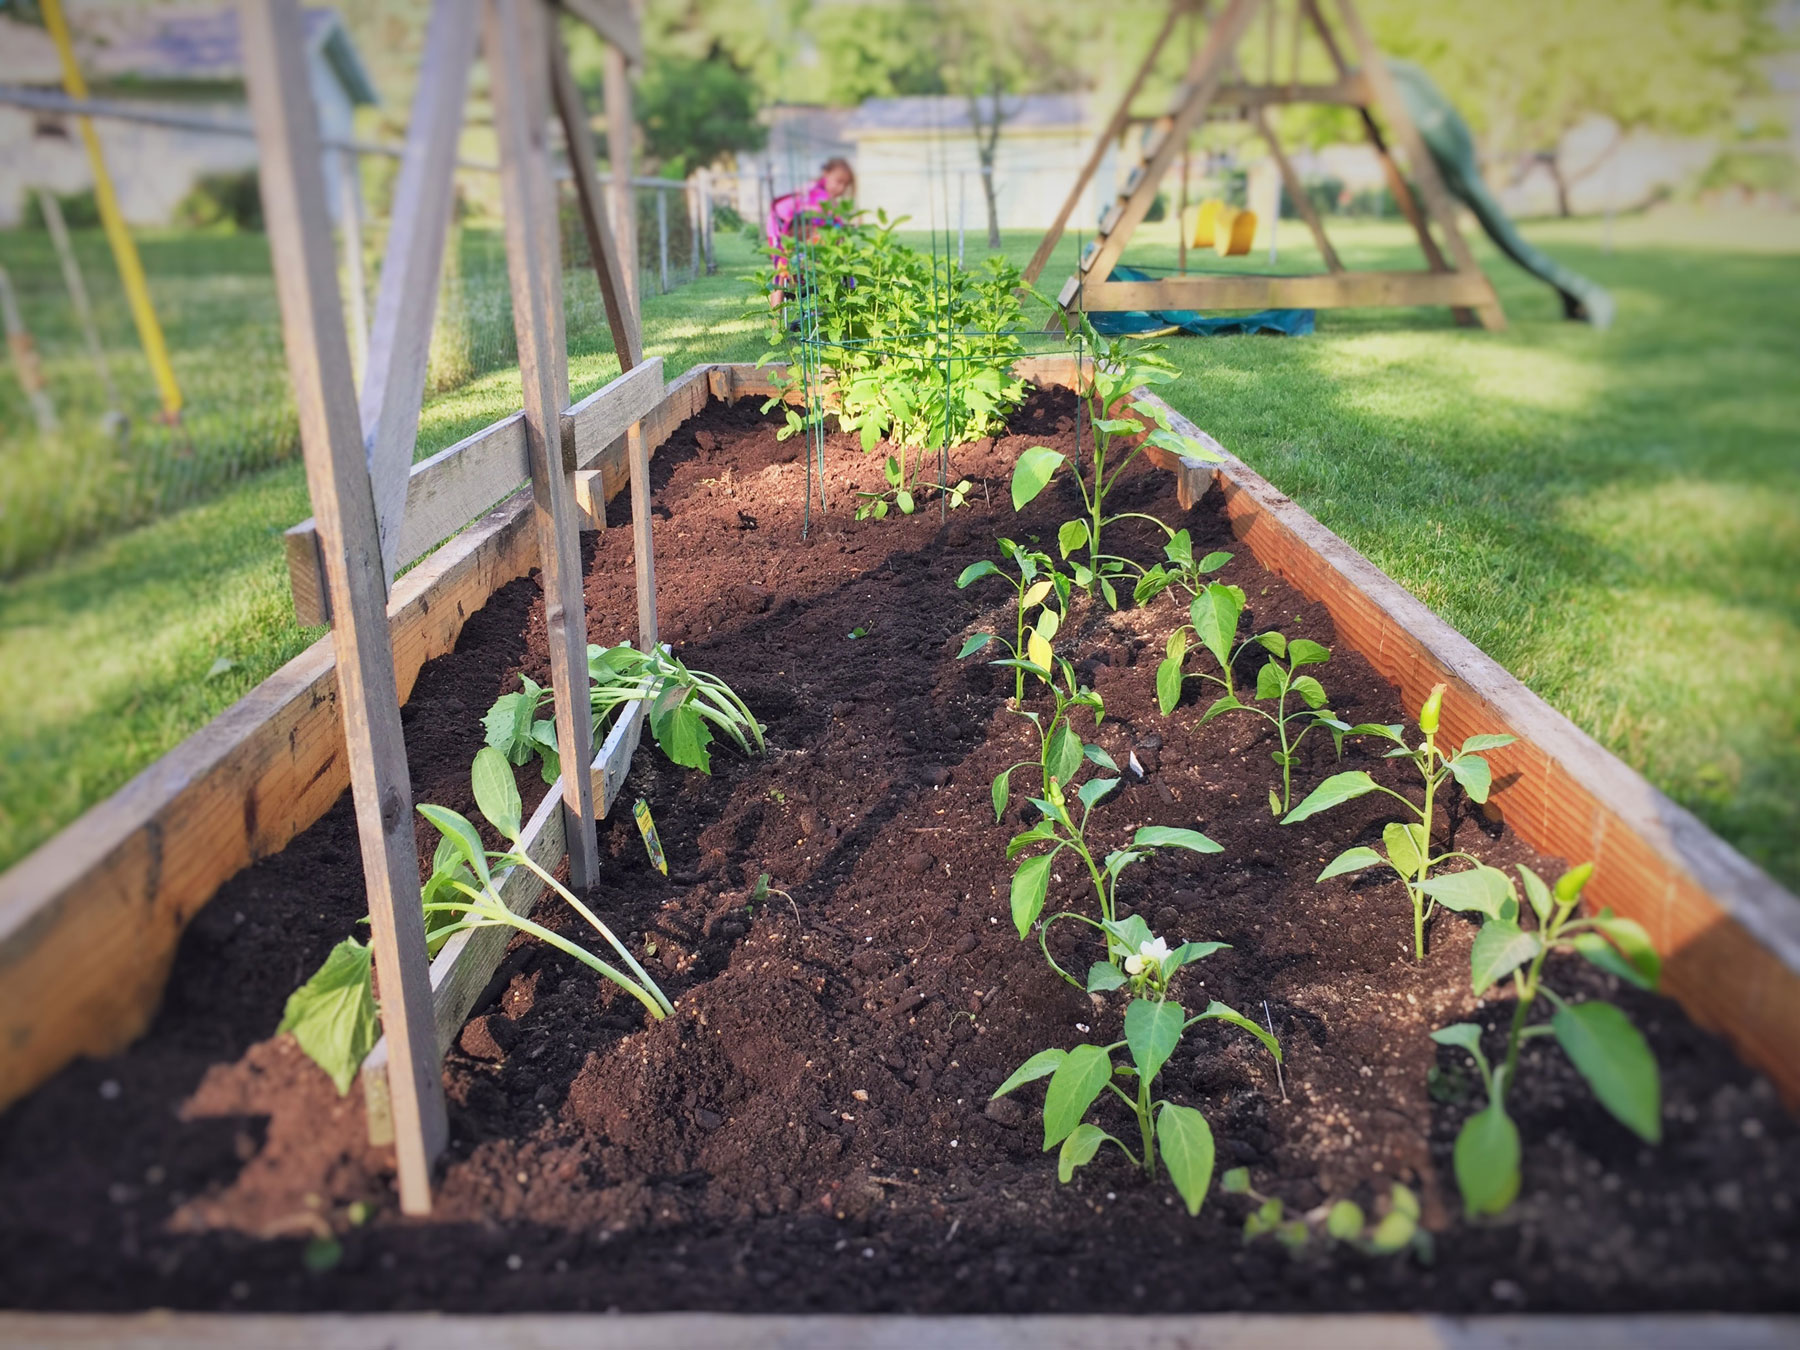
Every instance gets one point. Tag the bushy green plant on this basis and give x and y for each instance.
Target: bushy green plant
(1406, 846)
(918, 350)
(1154, 1027)
(1213, 619)
(1041, 588)
(1598, 1038)
(1119, 367)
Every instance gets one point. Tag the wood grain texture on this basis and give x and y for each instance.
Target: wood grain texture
(1333, 290)
(393, 388)
(337, 479)
(516, 44)
(592, 424)
(620, 133)
(1729, 935)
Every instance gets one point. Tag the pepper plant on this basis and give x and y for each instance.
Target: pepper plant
(1119, 368)
(1041, 587)
(1060, 749)
(1154, 1026)
(1406, 845)
(1178, 568)
(1215, 612)
(1598, 1038)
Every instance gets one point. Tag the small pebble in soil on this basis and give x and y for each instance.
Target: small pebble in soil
(936, 775)
(919, 863)
(110, 1089)
(515, 1262)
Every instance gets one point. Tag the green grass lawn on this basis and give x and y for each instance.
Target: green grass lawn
(1613, 516)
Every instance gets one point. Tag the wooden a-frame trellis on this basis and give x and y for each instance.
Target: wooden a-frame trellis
(375, 510)
(1211, 83)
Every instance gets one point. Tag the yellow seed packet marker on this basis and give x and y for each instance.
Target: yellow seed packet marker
(640, 812)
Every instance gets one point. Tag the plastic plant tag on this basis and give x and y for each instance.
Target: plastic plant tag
(640, 812)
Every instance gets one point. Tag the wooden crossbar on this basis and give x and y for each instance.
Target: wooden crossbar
(1334, 290)
(454, 486)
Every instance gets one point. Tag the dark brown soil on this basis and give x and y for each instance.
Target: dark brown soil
(811, 1130)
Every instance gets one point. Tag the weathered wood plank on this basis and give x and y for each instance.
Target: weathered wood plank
(590, 425)
(337, 477)
(165, 1330)
(1333, 290)
(1729, 935)
(614, 20)
(517, 47)
(393, 388)
(620, 133)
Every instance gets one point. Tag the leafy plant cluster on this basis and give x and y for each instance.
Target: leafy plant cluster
(1074, 779)
(919, 350)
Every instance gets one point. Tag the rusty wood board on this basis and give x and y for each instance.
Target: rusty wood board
(1728, 934)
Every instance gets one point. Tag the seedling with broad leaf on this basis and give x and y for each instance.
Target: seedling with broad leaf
(874, 505)
(1060, 749)
(1040, 587)
(684, 707)
(1344, 1221)
(1215, 615)
(1179, 568)
(334, 1016)
(1154, 1026)
(1119, 367)
(1598, 1038)
(1406, 845)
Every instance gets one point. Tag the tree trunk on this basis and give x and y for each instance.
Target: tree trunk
(987, 141)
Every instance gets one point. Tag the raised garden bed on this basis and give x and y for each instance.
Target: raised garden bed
(811, 1130)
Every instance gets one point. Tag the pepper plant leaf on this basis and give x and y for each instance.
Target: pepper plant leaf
(1537, 893)
(1104, 976)
(1335, 790)
(1485, 741)
(974, 643)
(1350, 860)
(1306, 652)
(1220, 1012)
(1168, 684)
(1499, 949)
(1616, 1061)
(1214, 613)
(1482, 890)
(1062, 757)
(1079, 1148)
(1486, 1159)
(1174, 836)
(1072, 534)
(1030, 886)
(333, 1015)
(1186, 1141)
(1032, 474)
(1311, 692)
(975, 571)
(1041, 1065)
(1406, 846)
(1152, 1031)
(1473, 773)
(1465, 1036)
(1081, 1077)
(1628, 954)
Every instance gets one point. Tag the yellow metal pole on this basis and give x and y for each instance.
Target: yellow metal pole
(125, 254)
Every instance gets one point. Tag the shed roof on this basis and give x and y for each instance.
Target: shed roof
(161, 48)
(925, 114)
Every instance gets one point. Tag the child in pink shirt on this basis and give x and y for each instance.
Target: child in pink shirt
(836, 182)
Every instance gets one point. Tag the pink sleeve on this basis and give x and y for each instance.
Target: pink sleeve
(781, 216)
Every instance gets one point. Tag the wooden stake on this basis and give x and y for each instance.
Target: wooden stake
(516, 40)
(337, 477)
(400, 345)
(618, 150)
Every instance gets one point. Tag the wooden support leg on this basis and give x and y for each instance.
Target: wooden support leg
(618, 150)
(1297, 190)
(643, 551)
(516, 35)
(337, 475)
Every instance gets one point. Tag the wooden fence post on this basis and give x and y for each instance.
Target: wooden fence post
(337, 476)
(517, 36)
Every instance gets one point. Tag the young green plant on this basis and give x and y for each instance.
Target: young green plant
(1060, 749)
(1119, 368)
(334, 1015)
(1406, 845)
(1344, 1221)
(1040, 587)
(1178, 568)
(1598, 1038)
(1178, 1136)
(1213, 619)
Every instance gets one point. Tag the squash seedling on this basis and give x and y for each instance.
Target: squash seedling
(1344, 1221)
(1406, 846)
(1598, 1038)
(1040, 587)
(1154, 1027)
(1178, 568)
(334, 1015)
(685, 704)
(1119, 368)
(874, 505)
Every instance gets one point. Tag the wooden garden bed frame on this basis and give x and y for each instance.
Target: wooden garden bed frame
(90, 921)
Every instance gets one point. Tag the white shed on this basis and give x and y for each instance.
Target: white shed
(917, 157)
(169, 59)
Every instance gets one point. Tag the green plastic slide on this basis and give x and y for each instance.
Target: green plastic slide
(1447, 137)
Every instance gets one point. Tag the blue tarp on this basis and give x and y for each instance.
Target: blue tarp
(1280, 322)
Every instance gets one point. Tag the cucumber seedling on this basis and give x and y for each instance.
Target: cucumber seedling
(1598, 1038)
(1178, 1136)
(1040, 587)
(1120, 366)
(1406, 845)
(1344, 1221)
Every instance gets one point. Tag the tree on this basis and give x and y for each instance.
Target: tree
(695, 111)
